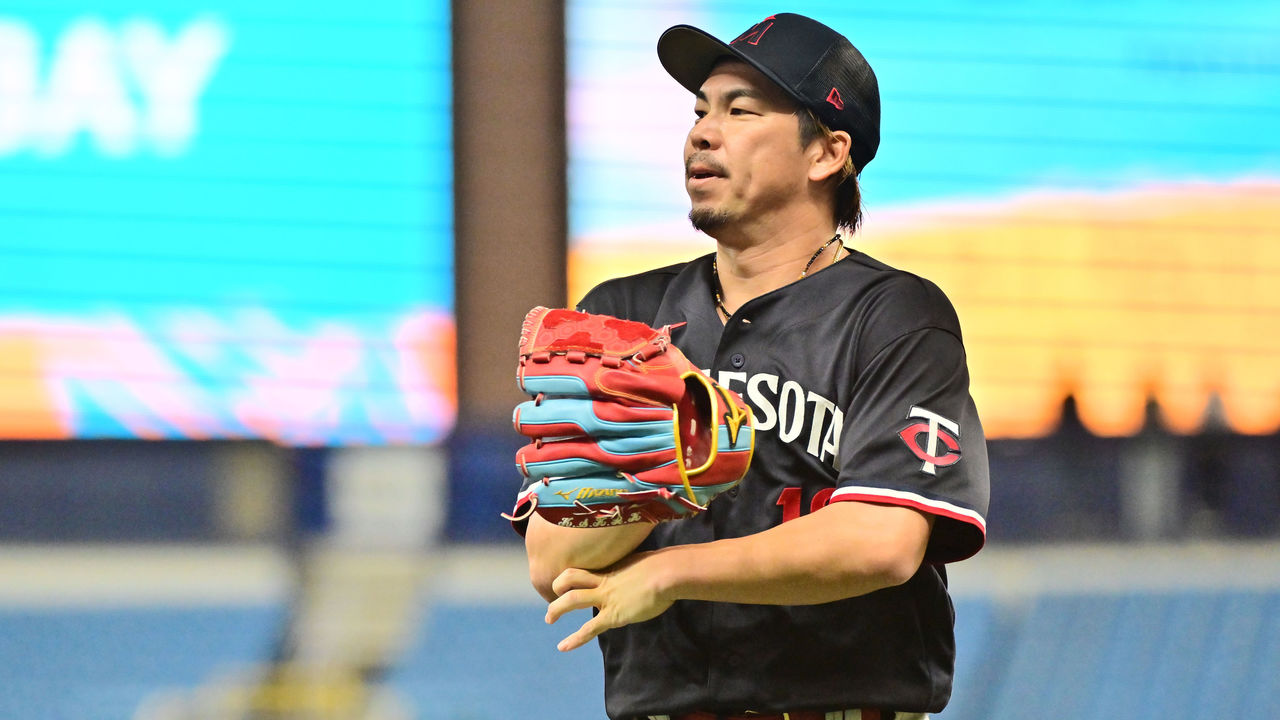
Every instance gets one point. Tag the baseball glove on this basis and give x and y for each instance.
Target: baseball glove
(625, 429)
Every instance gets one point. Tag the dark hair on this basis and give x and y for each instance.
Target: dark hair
(848, 211)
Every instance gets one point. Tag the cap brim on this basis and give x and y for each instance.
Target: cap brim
(689, 54)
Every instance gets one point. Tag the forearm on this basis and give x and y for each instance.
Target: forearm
(551, 549)
(845, 550)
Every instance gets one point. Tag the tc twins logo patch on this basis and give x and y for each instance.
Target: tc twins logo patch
(936, 441)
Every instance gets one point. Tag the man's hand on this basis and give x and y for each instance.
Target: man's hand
(625, 593)
(552, 549)
(806, 561)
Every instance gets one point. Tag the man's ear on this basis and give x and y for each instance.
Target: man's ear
(828, 155)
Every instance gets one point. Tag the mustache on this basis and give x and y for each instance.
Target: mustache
(706, 161)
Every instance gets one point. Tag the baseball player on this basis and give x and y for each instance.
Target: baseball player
(815, 587)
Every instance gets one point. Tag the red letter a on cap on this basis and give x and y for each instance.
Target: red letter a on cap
(834, 98)
(756, 33)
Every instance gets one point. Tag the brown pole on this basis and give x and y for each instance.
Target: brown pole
(509, 160)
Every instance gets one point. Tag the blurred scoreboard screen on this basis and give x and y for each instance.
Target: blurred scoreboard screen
(226, 219)
(1096, 186)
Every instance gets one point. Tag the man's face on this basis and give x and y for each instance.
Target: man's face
(743, 157)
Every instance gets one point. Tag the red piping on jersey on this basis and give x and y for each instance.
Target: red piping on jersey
(903, 498)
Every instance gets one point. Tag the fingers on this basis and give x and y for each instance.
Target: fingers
(569, 601)
(573, 592)
(621, 597)
(573, 578)
(575, 589)
(585, 634)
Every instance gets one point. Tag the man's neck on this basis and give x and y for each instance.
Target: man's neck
(752, 266)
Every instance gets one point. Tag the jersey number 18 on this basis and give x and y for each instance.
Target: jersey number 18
(791, 501)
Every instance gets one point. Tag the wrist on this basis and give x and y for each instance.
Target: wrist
(666, 573)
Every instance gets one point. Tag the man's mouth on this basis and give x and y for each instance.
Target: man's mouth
(702, 169)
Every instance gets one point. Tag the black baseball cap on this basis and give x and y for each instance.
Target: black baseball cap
(814, 64)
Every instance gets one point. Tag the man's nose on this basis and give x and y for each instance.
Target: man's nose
(705, 133)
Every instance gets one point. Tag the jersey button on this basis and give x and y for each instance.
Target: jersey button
(737, 360)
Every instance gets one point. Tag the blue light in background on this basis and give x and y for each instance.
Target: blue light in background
(212, 197)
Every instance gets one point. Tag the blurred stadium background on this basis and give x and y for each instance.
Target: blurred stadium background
(244, 473)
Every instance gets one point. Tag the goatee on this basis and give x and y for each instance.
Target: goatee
(707, 220)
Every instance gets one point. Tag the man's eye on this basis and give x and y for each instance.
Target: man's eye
(740, 111)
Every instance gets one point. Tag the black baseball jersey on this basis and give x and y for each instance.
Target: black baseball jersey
(857, 380)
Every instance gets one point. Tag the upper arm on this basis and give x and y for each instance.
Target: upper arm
(891, 540)
(911, 435)
(840, 551)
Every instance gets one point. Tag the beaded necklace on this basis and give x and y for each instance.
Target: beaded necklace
(715, 272)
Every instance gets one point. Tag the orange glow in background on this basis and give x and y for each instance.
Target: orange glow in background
(290, 387)
(1167, 292)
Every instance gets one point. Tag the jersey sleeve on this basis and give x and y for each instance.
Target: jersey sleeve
(912, 438)
(636, 297)
(601, 300)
